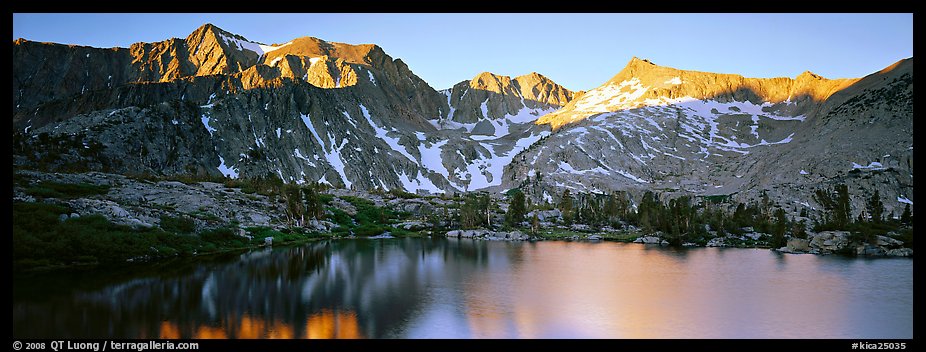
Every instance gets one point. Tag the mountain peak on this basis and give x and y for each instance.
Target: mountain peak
(219, 33)
(209, 27)
(533, 74)
(809, 75)
(490, 81)
(533, 77)
(637, 66)
(486, 75)
(638, 62)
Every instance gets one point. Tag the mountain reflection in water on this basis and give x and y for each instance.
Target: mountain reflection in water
(418, 288)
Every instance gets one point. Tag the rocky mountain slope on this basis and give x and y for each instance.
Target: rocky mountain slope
(351, 116)
(304, 111)
(686, 132)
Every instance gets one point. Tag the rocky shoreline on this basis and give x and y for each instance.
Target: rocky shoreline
(823, 243)
(838, 242)
(144, 203)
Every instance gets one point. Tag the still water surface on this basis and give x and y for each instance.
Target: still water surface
(437, 288)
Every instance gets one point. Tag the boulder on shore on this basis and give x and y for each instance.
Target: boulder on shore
(648, 240)
(798, 245)
(716, 242)
(546, 215)
(900, 252)
(830, 241)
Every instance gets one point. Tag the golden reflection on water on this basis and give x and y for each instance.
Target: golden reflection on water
(326, 324)
(333, 325)
(169, 331)
(639, 293)
(475, 289)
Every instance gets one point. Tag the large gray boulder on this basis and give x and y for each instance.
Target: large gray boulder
(320, 225)
(546, 215)
(885, 241)
(415, 206)
(412, 225)
(648, 240)
(716, 242)
(344, 206)
(870, 250)
(798, 245)
(830, 241)
(900, 252)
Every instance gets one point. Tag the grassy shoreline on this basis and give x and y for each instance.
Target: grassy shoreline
(46, 239)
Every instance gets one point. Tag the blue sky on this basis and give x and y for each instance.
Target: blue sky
(579, 51)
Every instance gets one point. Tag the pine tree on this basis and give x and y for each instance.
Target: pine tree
(615, 207)
(295, 210)
(907, 217)
(313, 204)
(843, 205)
(779, 229)
(837, 205)
(565, 206)
(765, 211)
(652, 213)
(475, 211)
(516, 210)
(741, 216)
(535, 224)
(876, 208)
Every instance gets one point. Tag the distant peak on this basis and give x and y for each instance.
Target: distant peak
(209, 27)
(637, 65)
(215, 30)
(486, 75)
(809, 75)
(634, 61)
(484, 79)
(534, 76)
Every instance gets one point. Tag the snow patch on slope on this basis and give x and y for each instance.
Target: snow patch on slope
(225, 170)
(874, 165)
(381, 133)
(258, 48)
(611, 97)
(332, 156)
(418, 183)
(486, 171)
(431, 157)
(205, 120)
